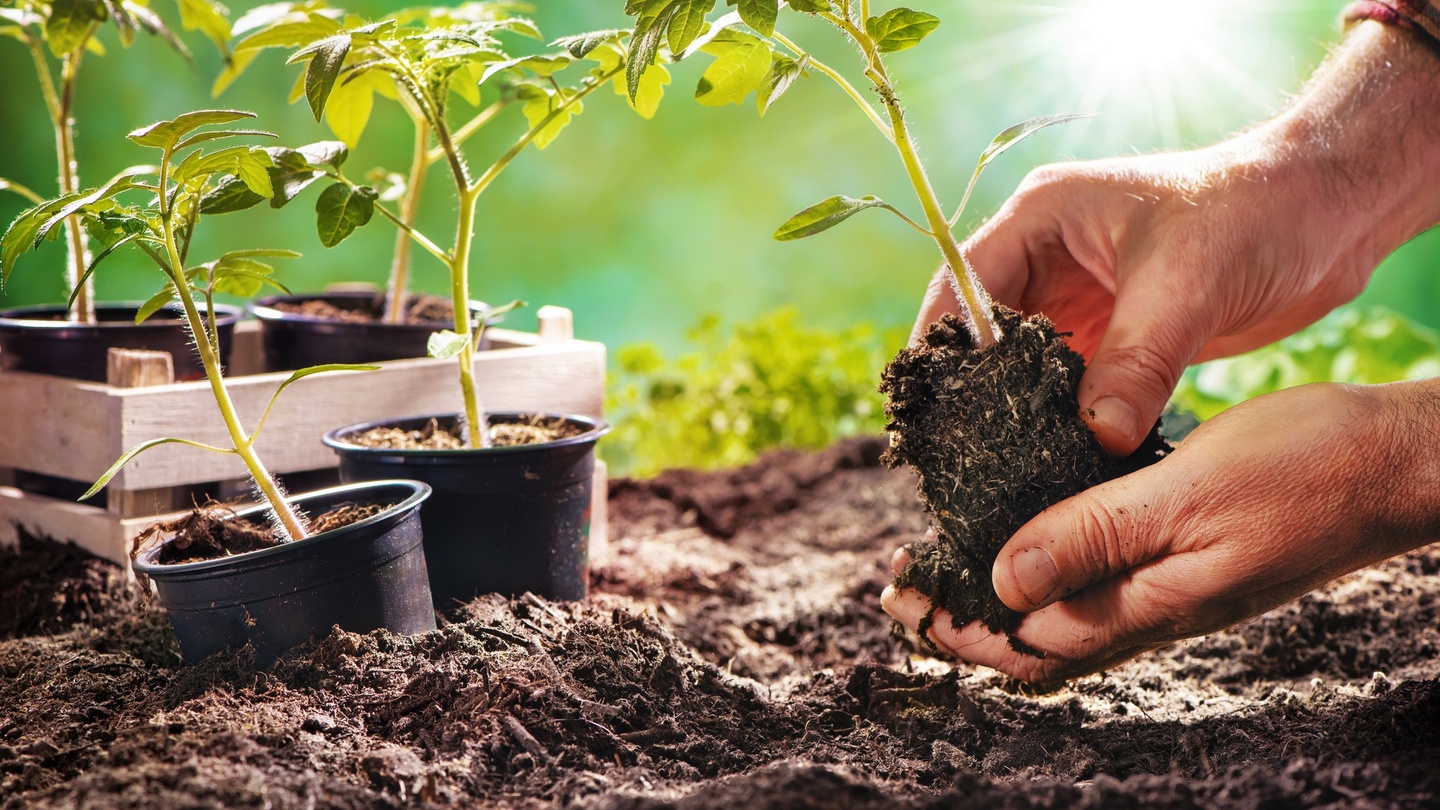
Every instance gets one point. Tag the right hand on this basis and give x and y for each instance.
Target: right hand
(1154, 262)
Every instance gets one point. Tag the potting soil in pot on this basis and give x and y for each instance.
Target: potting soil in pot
(996, 436)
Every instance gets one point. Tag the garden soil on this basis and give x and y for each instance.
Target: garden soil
(732, 653)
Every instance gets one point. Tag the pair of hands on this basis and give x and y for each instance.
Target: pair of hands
(1159, 261)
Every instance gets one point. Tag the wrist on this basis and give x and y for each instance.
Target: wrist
(1405, 416)
(1364, 138)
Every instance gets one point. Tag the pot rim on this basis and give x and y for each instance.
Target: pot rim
(596, 427)
(264, 309)
(225, 313)
(144, 562)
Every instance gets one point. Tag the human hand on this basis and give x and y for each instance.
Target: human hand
(1259, 505)
(1156, 261)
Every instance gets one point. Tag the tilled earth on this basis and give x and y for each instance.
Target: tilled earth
(733, 654)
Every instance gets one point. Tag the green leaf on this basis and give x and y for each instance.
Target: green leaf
(445, 344)
(152, 23)
(116, 186)
(824, 215)
(543, 65)
(580, 45)
(231, 195)
(292, 30)
(350, 106)
(644, 45)
(154, 304)
(326, 58)
(20, 236)
(124, 22)
(781, 76)
(811, 6)
(208, 18)
(94, 263)
(688, 22)
(1021, 131)
(340, 210)
(166, 134)
(215, 135)
(759, 15)
(137, 450)
(900, 28)
(69, 24)
(325, 153)
(542, 103)
(651, 91)
(732, 77)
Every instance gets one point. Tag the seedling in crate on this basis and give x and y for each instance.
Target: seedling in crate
(427, 65)
(162, 226)
(69, 30)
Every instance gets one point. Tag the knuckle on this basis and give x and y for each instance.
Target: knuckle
(1100, 535)
(1150, 368)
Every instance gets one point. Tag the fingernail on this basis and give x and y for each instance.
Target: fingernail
(1035, 574)
(1118, 415)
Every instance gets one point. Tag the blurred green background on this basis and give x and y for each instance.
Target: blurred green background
(644, 228)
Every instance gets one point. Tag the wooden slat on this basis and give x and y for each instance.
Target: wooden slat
(88, 527)
(568, 377)
(54, 426)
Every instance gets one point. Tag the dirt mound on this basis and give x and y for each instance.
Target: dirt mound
(734, 654)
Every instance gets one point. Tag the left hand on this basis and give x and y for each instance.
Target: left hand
(1259, 505)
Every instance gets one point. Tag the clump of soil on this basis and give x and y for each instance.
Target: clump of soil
(48, 587)
(996, 437)
(419, 310)
(437, 434)
(212, 531)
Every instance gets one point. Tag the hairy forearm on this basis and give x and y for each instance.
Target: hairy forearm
(1367, 131)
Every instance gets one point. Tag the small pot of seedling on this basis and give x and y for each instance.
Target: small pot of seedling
(463, 456)
(984, 408)
(73, 340)
(358, 563)
(358, 327)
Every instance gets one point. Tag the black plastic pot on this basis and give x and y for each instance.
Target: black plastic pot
(503, 519)
(295, 341)
(364, 576)
(39, 339)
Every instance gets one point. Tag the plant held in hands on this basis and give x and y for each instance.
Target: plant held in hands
(985, 407)
(426, 66)
(68, 30)
(163, 226)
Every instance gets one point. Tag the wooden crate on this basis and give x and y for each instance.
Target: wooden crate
(75, 430)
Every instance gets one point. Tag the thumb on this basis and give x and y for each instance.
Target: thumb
(1146, 347)
(1089, 538)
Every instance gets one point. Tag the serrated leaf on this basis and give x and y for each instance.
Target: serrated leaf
(732, 76)
(326, 58)
(20, 236)
(1021, 131)
(325, 153)
(166, 134)
(214, 135)
(350, 106)
(651, 91)
(540, 106)
(824, 215)
(445, 344)
(231, 195)
(116, 185)
(759, 15)
(580, 45)
(900, 28)
(811, 6)
(644, 45)
(69, 24)
(293, 30)
(340, 210)
(688, 22)
(782, 75)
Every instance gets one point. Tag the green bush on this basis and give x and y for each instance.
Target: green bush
(771, 383)
(1353, 345)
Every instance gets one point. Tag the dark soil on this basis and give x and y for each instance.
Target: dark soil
(996, 437)
(733, 655)
(420, 309)
(446, 434)
(213, 531)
